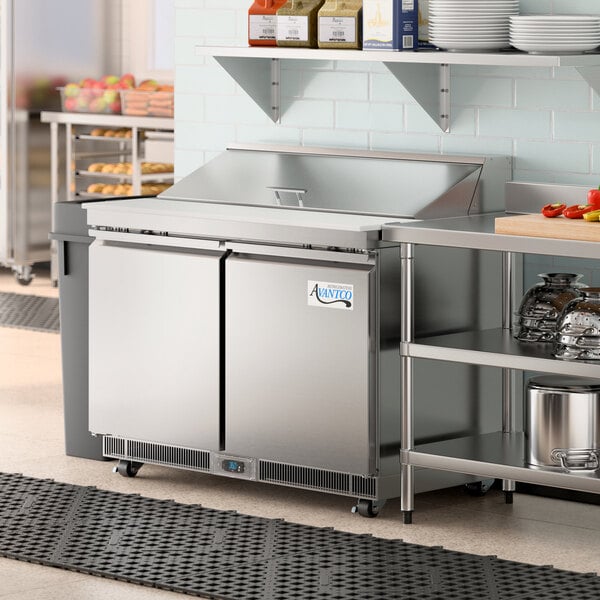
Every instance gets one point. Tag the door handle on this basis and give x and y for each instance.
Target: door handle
(64, 257)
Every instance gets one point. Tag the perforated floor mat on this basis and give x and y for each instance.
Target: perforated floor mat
(231, 556)
(29, 312)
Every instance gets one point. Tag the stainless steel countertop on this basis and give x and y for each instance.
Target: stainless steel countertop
(222, 221)
(478, 232)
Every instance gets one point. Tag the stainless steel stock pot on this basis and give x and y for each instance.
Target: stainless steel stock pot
(563, 423)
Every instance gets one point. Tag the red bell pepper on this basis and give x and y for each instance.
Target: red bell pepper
(577, 211)
(593, 197)
(554, 210)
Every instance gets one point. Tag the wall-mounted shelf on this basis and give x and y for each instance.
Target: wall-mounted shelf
(424, 74)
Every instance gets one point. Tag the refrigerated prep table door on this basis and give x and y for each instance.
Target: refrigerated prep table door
(154, 344)
(300, 369)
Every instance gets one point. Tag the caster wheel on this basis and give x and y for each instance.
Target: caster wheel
(23, 275)
(367, 508)
(479, 488)
(128, 468)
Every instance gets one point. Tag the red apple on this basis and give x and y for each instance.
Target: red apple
(86, 94)
(115, 107)
(149, 85)
(98, 105)
(71, 104)
(88, 82)
(128, 80)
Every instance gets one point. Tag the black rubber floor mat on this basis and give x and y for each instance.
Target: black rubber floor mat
(29, 312)
(231, 556)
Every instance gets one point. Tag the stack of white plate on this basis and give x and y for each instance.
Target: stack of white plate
(552, 34)
(470, 25)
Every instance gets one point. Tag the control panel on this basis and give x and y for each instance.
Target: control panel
(234, 466)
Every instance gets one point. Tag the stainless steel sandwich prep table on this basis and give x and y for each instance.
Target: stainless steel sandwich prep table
(247, 322)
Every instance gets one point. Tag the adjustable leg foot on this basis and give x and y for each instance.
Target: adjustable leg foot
(508, 497)
(407, 516)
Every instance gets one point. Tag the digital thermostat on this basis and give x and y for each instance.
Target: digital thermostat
(234, 466)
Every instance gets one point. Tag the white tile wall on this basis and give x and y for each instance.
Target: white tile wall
(548, 119)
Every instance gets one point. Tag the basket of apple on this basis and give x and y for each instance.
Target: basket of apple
(101, 96)
(148, 99)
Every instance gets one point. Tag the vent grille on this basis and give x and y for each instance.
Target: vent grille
(317, 479)
(364, 487)
(159, 454)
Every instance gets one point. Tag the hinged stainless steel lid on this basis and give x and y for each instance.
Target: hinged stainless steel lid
(358, 182)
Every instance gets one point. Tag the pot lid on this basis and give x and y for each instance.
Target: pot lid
(564, 383)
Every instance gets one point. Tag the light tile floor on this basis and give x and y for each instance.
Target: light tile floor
(534, 530)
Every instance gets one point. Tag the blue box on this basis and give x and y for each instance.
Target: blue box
(390, 25)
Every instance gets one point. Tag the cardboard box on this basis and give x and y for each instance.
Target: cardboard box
(390, 24)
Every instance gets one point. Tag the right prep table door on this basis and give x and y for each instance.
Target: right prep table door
(300, 369)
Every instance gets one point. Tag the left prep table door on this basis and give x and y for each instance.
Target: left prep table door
(155, 344)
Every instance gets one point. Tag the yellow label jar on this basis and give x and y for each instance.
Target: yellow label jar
(340, 24)
(297, 23)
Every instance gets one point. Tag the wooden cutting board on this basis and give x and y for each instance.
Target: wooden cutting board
(540, 226)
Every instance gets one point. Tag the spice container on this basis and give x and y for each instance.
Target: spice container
(262, 22)
(340, 24)
(297, 23)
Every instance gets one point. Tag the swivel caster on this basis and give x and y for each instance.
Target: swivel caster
(23, 274)
(479, 488)
(368, 508)
(128, 468)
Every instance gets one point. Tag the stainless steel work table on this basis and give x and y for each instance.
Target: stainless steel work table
(500, 454)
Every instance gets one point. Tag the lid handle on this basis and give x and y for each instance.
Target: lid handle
(286, 190)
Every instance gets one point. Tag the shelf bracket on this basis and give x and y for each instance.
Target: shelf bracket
(592, 76)
(259, 78)
(429, 85)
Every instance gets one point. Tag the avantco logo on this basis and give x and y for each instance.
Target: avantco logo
(331, 295)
